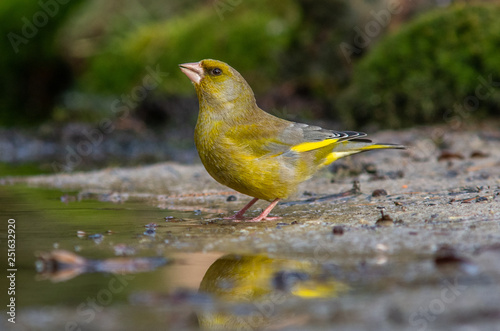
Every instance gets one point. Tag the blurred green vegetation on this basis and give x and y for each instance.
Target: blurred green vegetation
(90, 54)
(24, 169)
(255, 37)
(32, 67)
(444, 66)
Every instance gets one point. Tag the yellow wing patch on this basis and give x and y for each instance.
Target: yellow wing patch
(309, 146)
(332, 157)
(378, 146)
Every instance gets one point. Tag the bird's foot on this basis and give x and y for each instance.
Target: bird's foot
(238, 217)
(257, 219)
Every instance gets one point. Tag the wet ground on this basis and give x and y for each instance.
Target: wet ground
(388, 240)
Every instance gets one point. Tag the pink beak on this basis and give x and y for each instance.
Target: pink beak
(193, 70)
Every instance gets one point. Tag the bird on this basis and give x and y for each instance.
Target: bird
(252, 151)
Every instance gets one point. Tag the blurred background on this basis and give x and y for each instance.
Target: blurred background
(90, 84)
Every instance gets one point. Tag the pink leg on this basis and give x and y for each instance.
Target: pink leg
(266, 211)
(239, 215)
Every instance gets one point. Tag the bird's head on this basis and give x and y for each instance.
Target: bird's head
(217, 82)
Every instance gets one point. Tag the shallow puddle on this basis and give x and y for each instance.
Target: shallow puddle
(77, 262)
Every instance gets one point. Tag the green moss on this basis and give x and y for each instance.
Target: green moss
(429, 71)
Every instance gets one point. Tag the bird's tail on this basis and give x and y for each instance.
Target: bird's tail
(354, 146)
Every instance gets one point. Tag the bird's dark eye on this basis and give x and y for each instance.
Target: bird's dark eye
(216, 71)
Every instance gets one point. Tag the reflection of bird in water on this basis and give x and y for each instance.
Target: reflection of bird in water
(255, 286)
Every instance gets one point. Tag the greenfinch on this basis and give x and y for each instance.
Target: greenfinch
(252, 151)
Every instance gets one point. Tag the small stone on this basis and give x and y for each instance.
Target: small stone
(379, 193)
(231, 198)
(447, 155)
(97, 238)
(338, 230)
(481, 199)
(384, 220)
(370, 168)
(478, 154)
